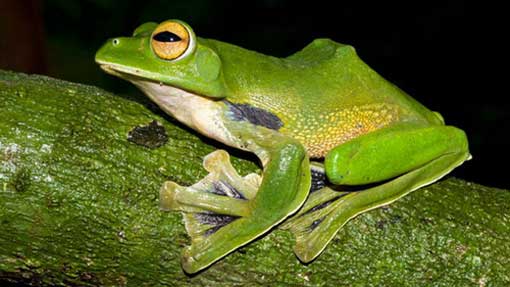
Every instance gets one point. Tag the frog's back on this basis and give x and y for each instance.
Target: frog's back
(324, 95)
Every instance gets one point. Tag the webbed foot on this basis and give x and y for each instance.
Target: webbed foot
(312, 225)
(224, 211)
(215, 201)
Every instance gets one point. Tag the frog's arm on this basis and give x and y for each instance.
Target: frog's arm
(225, 211)
(402, 158)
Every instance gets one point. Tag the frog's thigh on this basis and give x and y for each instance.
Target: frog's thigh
(326, 210)
(224, 211)
(385, 154)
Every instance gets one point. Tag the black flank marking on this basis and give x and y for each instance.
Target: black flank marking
(166, 36)
(254, 115)
(318, 179)
(315, 224)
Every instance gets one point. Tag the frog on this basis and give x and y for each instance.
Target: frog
(333, 138)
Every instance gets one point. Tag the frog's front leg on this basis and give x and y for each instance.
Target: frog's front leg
(401, 159)
(225, 211)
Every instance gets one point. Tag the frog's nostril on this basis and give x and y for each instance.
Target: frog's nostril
(115, 42)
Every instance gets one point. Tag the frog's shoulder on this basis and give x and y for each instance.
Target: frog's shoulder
(322, 50)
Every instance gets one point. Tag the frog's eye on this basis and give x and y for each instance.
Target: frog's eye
(172, 40)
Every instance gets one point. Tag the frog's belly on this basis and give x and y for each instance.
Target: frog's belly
(324, 131)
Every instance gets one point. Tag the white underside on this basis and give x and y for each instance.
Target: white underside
(199, 113)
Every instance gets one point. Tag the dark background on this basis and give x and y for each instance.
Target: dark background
(446, 54)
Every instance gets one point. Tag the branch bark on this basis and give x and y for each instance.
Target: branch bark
(79, 206)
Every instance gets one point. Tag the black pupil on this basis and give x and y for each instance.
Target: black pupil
(166, 37)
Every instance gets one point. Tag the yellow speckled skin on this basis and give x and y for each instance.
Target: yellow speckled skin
(325, 95)
(328, 129)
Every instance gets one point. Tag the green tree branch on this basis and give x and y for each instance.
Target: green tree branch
(79, 206)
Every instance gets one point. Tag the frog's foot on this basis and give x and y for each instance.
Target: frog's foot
(312, 225)
(217, 200)
(225, 211)
(210, 207)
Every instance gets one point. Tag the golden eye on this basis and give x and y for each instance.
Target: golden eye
(170, 40)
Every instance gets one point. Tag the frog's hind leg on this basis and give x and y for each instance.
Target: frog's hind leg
(326, 210)
(224, 211)
(310, 224)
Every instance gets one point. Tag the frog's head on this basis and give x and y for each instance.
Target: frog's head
(168, 54)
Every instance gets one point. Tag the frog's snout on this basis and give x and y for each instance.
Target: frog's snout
(116, 42)
(116, 48)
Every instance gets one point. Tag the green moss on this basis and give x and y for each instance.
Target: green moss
(79, 206)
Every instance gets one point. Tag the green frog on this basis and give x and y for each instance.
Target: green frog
(334, 138)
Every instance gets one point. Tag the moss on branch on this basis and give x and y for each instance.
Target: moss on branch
(79, 206)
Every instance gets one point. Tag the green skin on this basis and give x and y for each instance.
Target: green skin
(410, 149)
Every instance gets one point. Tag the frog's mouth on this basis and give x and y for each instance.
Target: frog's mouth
(194, 110)
(110, 70)
(137, 76)
(127, 73)
(163, 94)
(160, 92)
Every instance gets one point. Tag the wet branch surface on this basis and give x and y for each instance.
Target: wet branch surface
(79, 207)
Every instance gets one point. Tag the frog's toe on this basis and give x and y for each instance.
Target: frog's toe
(222, 191)
(316, 223)
(214, 202)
